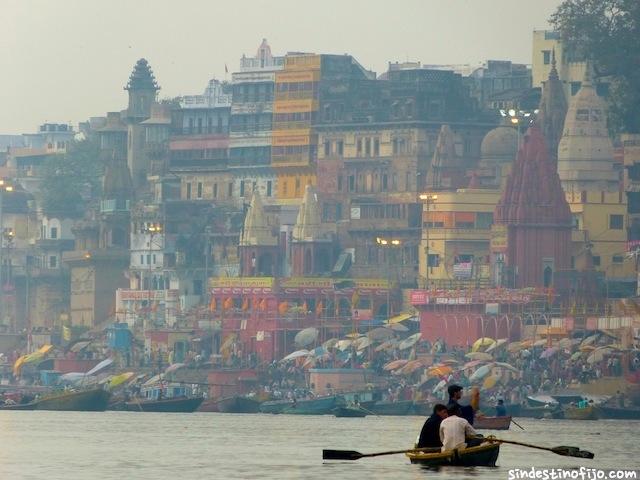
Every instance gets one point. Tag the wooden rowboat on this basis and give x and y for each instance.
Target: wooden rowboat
(94, 400)
(627, 413)
(238, 404)
(484, 455)
(403, 407)
(167, 405)
(349, 412)
(587, 413)
(492, 423)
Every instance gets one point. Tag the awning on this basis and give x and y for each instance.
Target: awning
(401, 317)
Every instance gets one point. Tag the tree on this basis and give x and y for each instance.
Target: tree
(71, 179)
(607, 33)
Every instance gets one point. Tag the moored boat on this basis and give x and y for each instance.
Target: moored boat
(587, 413)
(626, 413)
(94, 400)
(484, 455)
(349, 412)
(19, 406)
(238, 404)
(167, 405)
(314, 406)
(404, 407)
(274, 406)
(492, 423)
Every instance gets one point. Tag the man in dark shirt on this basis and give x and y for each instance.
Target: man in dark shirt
(501, 410)
(430, 433)
(455, 394)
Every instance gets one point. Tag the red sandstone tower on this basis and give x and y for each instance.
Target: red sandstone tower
(534, 217)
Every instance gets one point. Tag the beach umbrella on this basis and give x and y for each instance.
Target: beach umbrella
(598, 355)
(362, 343)
(296, 354)
(154, 379)
(527, 343)
(480, 373)
(489, 382)
(586, 348)
(471, 364)
(395, 364)
(398, 327)
(499, 343)
(441, 384)
(450, 361)
(514, 347)
(174, 367)
(549, 352)
(117, 380)
(318, 352)
(344, 344)
(331, 343)
(100, 366)
(589, 340)
(410, 341)
(479, 356)
(564, 343)
(387, 345)
(507, 366)
(306, 337)
(411, 367)
(482, 343)
(380, 333)
(540, 343)
(72, 377)
(354, 335)
(576, 356)
(439, 370)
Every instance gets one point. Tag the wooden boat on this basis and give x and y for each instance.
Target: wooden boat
(19, 406)
(167, 405)
(238, 404)
(554, 412)
(209, 405)
(94, 400)
(314, 406)
(484, 455)
(626, 413)
(404, 407)
(349, 412)
(274, 406)
(586, 413)
(492, 423)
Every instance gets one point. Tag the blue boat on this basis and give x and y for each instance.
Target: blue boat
(313, 406)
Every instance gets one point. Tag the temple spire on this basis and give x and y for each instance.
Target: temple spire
(308, 224)
(552, 110)
(257, 230)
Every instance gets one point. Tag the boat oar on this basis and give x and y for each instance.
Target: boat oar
(353, 455)
(562, 450)
(517, 424)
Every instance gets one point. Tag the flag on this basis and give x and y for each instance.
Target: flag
(228, 303)
(212, 305)
(66, 333)
(263, 304)
(319, 309)
(283, 307)
(245, 304)
(305, 307)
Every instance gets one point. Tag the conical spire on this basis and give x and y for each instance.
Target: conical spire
(308, 227)
(141, 77)
(445, 164)
(257, 230)
(552, 110)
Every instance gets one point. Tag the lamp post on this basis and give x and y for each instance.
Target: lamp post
(428, 199)
(518, 117)
(4, 187)
(150, 229)
(388, 243)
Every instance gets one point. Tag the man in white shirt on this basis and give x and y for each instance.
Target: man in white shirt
(454, 430)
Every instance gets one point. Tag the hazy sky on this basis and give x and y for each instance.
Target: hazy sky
(67, 60)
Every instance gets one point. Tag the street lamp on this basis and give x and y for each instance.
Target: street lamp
(5, 186)
(428, 199)
(518, 117)
(150, 229)
(390, 243)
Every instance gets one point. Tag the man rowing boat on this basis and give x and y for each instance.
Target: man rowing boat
(455, 394)
(455, 431)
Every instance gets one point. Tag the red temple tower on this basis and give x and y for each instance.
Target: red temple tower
(534, 217)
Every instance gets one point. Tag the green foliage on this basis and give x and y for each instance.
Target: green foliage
(607, 32)
(72, 179)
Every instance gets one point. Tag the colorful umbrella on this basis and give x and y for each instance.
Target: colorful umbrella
(117, 380)
(576, 356)
(507, 366)
(380, 333)
(398, 327)
(439, 370)
(598, 355)
(362, 343)
(410, 341)
(395, 364)
(296, 354)
(480, 373)
(499, 343)
(482, 343)
(549, 352)
(174, 367)
(331, 343)
(479, 356)
(411, 367)
(387, 345)
(471, 364)
(344, 344)
(540, 343)
(489, 382)
(514, 347)
(439, 386)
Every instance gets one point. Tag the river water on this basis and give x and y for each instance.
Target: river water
(130, 445)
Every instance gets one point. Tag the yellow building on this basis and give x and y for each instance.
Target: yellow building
(456, 237)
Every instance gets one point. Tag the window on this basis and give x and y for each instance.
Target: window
(269, 187)
(433, 260)
(53, 261)
(616, 222)
(339, 147)
(54, 233)
(141, 259)
(575, 86)
(339, 183)
(230, 190)
(188, 191)
(617, 259)
(484, 220)
(242, 188)
(215, 190)
(284, 188)
(546, 57)
(338, 211)
(385, 181)
(327, 148)
(376, 147)
(297, 185)
(199, 189)
(148, 259)
(367, 147)
(325, 212)
(359, 147)
(352, 183)
(596, 260)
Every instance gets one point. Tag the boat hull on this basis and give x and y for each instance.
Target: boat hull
(619, 413)
(492, 423)
(349, 412)
(587, 413)
(484, 455)
(169, 405)
(19, 406)
(393, 408)
(316, 406)
(238, 404)
(95, 400)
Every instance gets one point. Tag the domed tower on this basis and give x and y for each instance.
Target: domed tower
(143, 89)
(552, 110)
(311, 248)
(585, 151)
(497, 153)
(258, 242)
(117, 194)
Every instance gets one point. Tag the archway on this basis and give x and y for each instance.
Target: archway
(308, 262)
(547, 276)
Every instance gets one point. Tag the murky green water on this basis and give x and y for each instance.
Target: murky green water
(124, 445)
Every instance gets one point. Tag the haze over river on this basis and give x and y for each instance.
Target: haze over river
(155, 446)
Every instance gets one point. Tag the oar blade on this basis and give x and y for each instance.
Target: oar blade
(340, 455)
(572, 452)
